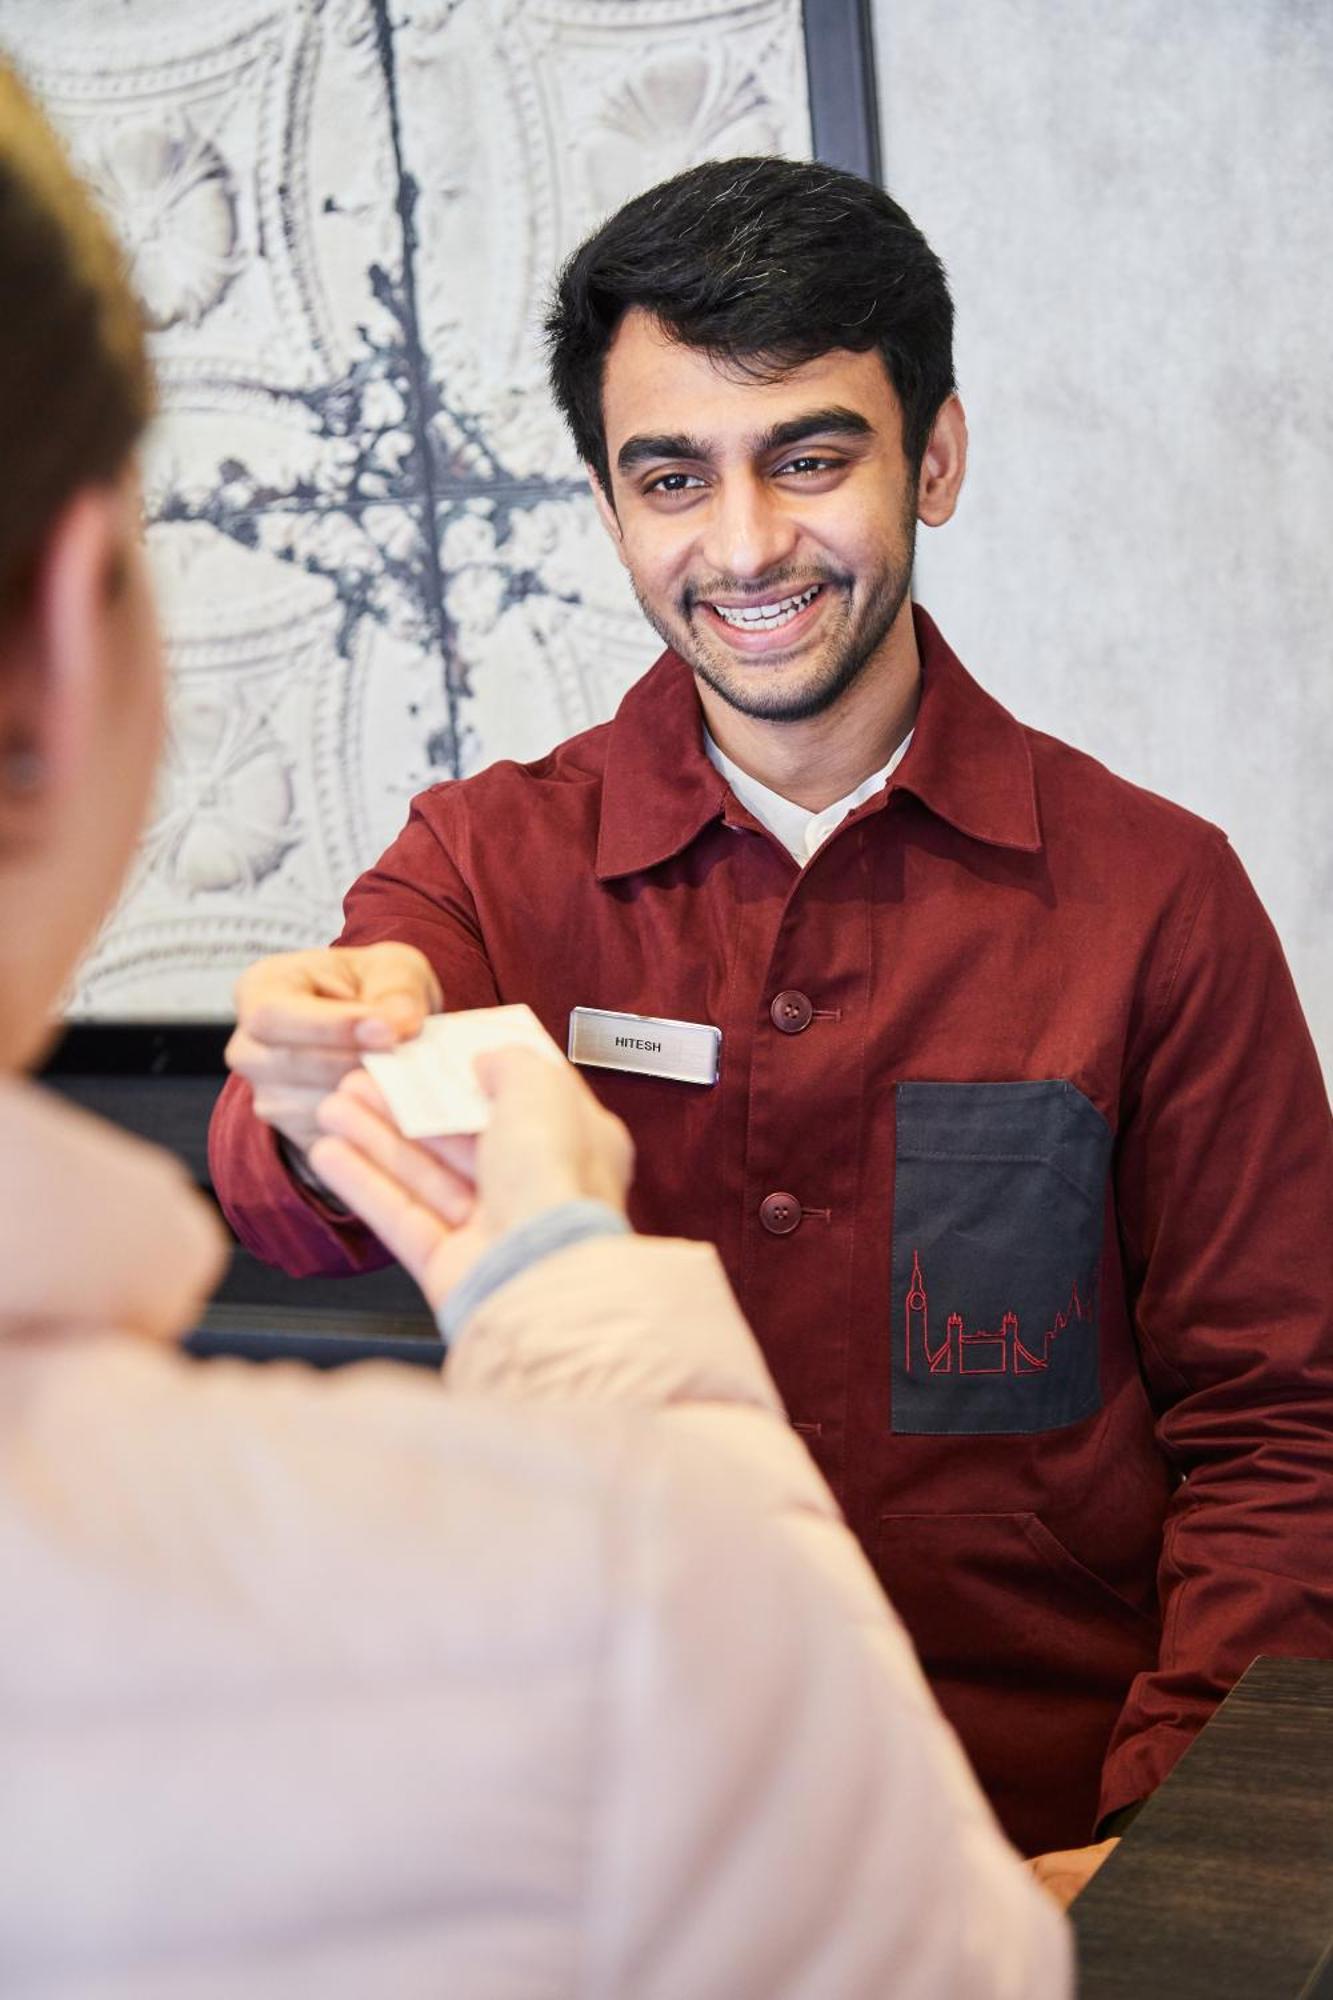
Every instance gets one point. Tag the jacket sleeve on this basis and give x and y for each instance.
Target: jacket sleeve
(416, 894)
(1225, 1196)
(784, 1812)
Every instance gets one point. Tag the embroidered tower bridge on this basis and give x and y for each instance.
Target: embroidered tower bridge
(983, 1352)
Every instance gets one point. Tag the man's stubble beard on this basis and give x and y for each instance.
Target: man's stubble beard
(846, 656)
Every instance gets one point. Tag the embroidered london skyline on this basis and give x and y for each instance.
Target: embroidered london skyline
(984, 1352)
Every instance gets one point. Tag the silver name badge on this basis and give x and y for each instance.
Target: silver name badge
(684, 1051)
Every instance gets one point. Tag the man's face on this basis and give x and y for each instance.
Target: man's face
(768, 527)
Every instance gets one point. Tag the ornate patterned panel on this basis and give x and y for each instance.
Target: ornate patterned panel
(378, 562)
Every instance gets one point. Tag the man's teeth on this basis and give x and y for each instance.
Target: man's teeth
(766, 617)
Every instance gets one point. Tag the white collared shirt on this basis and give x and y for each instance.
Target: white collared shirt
(801, 832)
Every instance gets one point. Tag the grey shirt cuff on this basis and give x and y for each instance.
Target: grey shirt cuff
(554, 1229)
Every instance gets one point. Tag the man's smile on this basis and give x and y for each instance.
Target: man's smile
(761, 625)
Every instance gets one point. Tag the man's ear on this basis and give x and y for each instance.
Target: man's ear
(56, 659)
(943, 465)
(606, 509)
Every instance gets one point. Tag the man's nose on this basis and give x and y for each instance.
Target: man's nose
(749, 533)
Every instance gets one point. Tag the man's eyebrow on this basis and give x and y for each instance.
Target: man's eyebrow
(645, 445)
(835, 421)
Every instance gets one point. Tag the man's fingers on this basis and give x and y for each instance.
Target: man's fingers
(348, 996)
(283, 1018)
(402, 1010)
(300, 1068)
(398, 983)
(385, 1028)
(348, 1115)
(331, 973)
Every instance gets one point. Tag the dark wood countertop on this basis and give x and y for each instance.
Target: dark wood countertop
(1222, 1889)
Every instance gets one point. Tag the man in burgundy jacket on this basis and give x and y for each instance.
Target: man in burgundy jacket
(981, 1066)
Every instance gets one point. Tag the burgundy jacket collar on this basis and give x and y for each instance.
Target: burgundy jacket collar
(968, 762)
(969, 759)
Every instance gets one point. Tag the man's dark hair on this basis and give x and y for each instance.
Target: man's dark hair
(75, 385)
(765, 264)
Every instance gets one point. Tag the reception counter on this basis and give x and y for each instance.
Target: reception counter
(1222, 1889)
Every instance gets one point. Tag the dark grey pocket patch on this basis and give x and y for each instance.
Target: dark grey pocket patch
(997, 1232)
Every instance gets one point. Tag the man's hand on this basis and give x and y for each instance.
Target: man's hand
(438, 1203)
(1070, 1869)
(303, 1017)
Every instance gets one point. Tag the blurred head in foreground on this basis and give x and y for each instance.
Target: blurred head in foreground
(80, 660)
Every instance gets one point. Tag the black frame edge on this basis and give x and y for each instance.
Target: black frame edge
(139, 1048)
(840, 71)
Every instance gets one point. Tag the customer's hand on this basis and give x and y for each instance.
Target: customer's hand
(302, 1018)
(438, 1203)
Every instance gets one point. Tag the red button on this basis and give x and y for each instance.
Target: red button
(780, 1213)
(791, 1011)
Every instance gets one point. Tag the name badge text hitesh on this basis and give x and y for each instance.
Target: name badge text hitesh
(682, 1051)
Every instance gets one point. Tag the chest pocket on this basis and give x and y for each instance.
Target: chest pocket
(998, 1201)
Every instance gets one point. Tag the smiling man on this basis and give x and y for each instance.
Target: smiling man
(770, 541)
(981, 1067)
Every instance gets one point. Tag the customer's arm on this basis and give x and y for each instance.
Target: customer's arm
(784, 1811)
(783, 1814)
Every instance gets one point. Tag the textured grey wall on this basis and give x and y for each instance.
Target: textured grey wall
(1135, 204)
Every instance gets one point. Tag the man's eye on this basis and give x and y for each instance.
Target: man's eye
(806, 465)
(673, 482)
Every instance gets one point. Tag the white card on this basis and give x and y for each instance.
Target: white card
(430, 1084)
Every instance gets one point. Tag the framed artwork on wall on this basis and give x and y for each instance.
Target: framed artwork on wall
(377, 561)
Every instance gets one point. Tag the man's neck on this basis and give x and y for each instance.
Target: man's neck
(820, 760)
